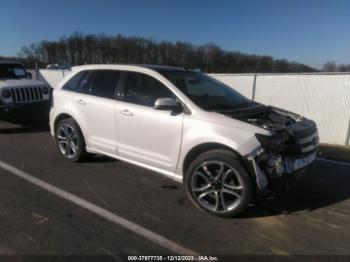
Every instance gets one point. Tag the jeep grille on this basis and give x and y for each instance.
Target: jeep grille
(27, 94)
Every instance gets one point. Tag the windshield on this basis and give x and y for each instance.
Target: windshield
(12, 71)
(206, 92)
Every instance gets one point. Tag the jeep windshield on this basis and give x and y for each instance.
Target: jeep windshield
(12, 71)
(206, 92)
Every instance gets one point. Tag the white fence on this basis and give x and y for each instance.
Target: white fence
(325, 98)
(52, 76)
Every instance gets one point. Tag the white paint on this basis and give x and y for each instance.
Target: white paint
(21, 84)
(156, 139)
(135, 228)
(52, 76)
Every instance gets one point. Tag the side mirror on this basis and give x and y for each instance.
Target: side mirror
(167, 104)
(29, 75)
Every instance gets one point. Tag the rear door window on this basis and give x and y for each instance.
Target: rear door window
(101, 83)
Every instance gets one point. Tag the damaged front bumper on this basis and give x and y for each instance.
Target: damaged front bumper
(267, 166)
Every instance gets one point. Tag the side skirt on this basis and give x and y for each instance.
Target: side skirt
(173, 176)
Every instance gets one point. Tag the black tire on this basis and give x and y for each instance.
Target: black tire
(234, 172)
(80, 153)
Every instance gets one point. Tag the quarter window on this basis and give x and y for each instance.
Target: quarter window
(75, 82)
(144, 90)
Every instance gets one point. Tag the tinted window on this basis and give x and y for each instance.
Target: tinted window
(144, 90)
(102, 83)
(75, 82)
(205, 91)
(12, 71)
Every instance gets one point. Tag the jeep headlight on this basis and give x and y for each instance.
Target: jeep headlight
(45, 90)
(6, 93)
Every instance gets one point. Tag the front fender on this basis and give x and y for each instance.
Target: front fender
(197, 132)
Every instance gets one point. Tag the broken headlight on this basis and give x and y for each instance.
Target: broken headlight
(276, 142)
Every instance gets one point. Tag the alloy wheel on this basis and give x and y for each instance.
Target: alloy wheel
(67, 140)
(217, 186)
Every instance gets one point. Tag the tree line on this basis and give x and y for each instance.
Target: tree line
(79, 49)
(331, 66)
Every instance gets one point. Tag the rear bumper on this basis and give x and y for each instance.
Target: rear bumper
(25, 111)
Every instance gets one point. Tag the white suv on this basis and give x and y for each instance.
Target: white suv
(184, 125)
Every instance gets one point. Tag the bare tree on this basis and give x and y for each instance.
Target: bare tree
(78, 49)
(344, 68)
(330, 66)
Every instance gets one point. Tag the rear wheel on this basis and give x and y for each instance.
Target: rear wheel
(217, 183)
(70, 140)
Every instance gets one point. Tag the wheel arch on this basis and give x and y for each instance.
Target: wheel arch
(201, 148)
(62, 116)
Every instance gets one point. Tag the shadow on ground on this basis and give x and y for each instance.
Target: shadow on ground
(99, 159)
(25, 128)
(322, 185)
(339, 153)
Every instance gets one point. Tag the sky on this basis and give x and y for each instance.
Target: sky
(307, 31)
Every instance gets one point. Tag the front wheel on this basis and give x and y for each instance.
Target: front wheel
(217, 183)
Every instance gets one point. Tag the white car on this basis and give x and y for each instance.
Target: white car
(22, 100)
(184, 125)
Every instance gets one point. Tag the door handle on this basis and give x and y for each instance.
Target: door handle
(81, 102)
(126, 112)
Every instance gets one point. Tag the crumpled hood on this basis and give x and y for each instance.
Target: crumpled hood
(274, 119)
(20, 82)
(300, 134)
